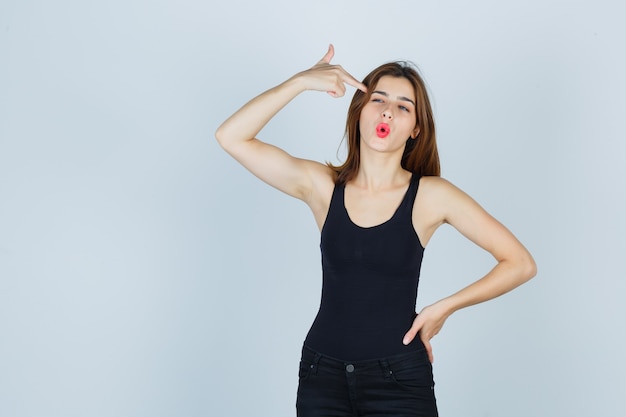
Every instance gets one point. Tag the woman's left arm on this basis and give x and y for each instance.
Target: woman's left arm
(514, 265)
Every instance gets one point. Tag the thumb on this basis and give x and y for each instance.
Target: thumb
(410, 335)
(329, 55)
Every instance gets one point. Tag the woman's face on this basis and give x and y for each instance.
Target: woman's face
(388, 118)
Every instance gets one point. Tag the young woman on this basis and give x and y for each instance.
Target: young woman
(368, 352)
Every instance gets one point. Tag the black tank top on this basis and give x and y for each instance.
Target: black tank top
(370, 278)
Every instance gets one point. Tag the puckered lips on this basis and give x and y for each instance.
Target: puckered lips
(382, 130)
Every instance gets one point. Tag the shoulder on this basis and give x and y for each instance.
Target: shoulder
(321, 174)
(442, 198)
(436, 186)
(322, 181)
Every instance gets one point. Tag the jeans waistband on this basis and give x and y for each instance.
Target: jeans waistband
(314, 357)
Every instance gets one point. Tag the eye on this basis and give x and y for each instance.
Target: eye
(377, 100)
(404, 108)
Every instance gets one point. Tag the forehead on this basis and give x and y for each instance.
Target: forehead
(395, 87)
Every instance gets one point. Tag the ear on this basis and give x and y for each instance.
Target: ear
(415, 132)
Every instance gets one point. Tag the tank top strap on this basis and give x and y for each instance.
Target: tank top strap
(409, 198)
(338, 199)
(335, 208)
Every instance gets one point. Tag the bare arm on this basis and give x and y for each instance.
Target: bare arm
(514, 265)
(237, 135)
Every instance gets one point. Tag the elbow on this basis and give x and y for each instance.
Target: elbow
(219, 136)
(227, 139)
(522, 267)
(529, 267)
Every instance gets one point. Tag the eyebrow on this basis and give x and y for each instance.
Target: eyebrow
(399, 97)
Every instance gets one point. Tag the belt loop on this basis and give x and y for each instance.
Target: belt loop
(384, 365)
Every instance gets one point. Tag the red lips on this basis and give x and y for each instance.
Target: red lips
(382, 130)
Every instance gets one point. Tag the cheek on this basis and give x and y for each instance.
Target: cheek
(408, 126)
(371, 112)
(365, 116)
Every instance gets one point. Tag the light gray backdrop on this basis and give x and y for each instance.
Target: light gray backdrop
(144, 273)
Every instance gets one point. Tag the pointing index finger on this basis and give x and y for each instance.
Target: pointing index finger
(349, 79)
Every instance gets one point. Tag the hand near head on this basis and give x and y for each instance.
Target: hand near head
(324, 76)
(427, 324)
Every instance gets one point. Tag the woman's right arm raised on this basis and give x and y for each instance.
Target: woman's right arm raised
(237, 135)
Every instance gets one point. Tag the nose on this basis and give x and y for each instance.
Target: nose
(387, 115)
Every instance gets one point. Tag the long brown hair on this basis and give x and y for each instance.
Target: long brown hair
(420, 155)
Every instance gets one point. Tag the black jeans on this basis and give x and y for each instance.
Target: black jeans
(396, 386)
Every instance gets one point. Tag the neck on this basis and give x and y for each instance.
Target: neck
(380, 171)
